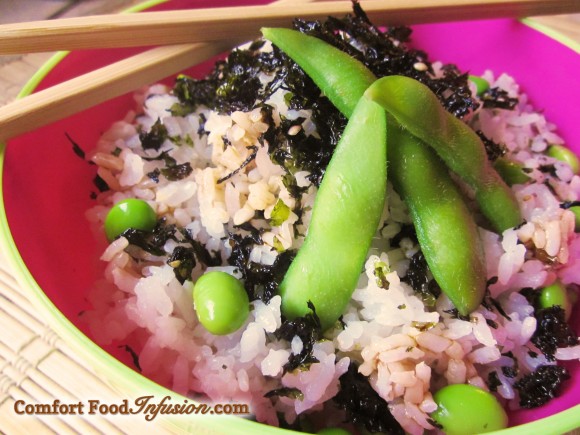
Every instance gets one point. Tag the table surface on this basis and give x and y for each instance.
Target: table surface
(33, 358)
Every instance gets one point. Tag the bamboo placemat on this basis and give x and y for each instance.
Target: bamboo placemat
(36, 365)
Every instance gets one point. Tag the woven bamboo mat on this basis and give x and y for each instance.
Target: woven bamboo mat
(36, 365)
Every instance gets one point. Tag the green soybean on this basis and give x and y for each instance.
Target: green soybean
(480, 83)
(419, 111)
(576, 210)
(466, 410)
(129, 213)
(345, 216)
(511, 172)
(221, 302)
(564, 155)
(445, 229)
(555, 294)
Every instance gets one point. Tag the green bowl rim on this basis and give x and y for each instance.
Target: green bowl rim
(126, 380)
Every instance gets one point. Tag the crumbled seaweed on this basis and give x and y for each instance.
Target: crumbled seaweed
(493, 149)
(567, 204)
(540, 386)
(177, 172)
(548, 169)
(151, 241)
(434, 424)
(154, 175)
(245, 163)
(101, 184)
(154, 138)
(491, 323)
(418, 278)
(496, 98)
(363, 405)
(493, 381)
(292, 393)
(513, 370)
(164, 157)
(407, 231)
(454, 313)
(76, 147)
(260, 281)
(182, 260)
(133, 354)
(491, 303)
(552, 331)
(309, 330)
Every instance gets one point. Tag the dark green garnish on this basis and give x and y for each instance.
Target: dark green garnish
(493, 381)
(292, 393)
(154, 138)
(309, 330)
(493, 149)
(553, 331)
(362, 404)
(540, 386)
(100, 184)
(418, 278)
(498, 99)
(76, 147)
(133, 354)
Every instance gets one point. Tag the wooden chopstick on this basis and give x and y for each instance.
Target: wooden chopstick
(90, 89)
(216, 24)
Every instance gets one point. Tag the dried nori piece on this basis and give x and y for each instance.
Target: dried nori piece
(100, 184)
(514, 370)
(454, 313)
(292, 393)
(498, 98)
(490, 303)
(260, 281)
(245, 163)
(309, 330)
(133, 354)
(182, 260)
(177, 172)
(363, 405)
(151, 241)
(154, 138)
(493, 149)
(407, 231)
(552, 331)
(549, 169)
(568, 204)
(540, 386)
(76, 147)
(493, 381)
(418, 278)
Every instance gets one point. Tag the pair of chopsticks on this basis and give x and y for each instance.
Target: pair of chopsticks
(201, 34)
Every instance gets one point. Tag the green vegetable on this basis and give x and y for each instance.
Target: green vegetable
(466, 287)
(129, 213)
(576, 210)
(555, 294)
(565, 155)
(481, 84)
(345, 217)
(466, 410)
(221, 302)
(419, 111)
(511, 172)
(445, 228)
(280, 213)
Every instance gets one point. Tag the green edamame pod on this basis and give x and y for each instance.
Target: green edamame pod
(419, 111)
(304, 47)
(445, 229)
(511, 172)
(345, 217)
(342, 78)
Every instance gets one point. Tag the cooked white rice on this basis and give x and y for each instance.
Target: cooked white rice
(405, 349)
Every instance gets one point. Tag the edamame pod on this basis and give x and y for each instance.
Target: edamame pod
(419, 111)
(344, 219)
(445, 229)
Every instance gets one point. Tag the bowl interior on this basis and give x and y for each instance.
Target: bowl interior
(47, 188)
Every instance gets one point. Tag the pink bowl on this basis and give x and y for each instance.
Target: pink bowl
(46, 188)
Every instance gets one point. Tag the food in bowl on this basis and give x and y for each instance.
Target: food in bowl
(232, 164)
